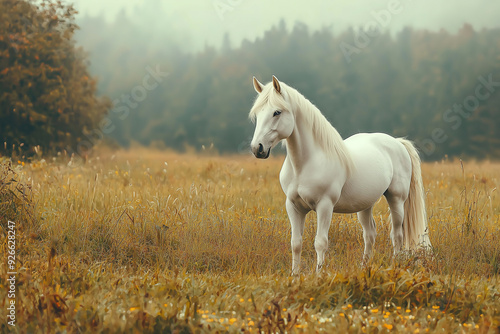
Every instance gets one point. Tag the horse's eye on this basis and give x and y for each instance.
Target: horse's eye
(276, 113)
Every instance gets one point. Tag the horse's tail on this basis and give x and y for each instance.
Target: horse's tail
(415, 231)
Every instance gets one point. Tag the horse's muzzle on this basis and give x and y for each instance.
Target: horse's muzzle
(260, 153)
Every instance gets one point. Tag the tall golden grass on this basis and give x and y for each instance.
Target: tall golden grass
(150, 241)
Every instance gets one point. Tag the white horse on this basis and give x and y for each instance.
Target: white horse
(324, 173)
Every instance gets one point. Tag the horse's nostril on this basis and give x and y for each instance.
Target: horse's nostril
(261, 148)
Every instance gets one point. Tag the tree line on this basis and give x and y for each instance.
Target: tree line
(437, 88)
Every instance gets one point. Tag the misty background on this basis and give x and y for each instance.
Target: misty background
(198, 23)
(427, 58)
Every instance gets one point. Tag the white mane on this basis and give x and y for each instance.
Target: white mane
(325, 135)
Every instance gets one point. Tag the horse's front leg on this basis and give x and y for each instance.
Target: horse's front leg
(324, 211)
(297, 219)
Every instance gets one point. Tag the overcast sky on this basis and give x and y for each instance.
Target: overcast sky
(206, 21)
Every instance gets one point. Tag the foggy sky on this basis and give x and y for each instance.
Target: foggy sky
(201, 22)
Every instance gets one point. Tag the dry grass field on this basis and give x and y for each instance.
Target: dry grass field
(148, 241)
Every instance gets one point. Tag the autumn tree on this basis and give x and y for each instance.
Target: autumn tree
(47, 96)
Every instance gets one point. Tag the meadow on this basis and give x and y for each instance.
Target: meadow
(153, 241)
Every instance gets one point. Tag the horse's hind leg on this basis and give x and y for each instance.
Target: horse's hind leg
(369, 231)
(396, 204)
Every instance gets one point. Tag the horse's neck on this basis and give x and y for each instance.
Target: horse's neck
(300, 146)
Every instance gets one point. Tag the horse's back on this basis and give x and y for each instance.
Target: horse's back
(377, 147)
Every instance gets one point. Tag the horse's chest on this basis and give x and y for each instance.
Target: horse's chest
(303, 192)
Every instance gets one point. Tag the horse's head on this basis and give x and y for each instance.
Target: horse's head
(272, 115)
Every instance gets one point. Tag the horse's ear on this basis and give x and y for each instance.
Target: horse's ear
(257, 85)
(276, 84)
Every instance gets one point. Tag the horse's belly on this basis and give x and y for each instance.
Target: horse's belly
(366, 186)
(352, 202)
